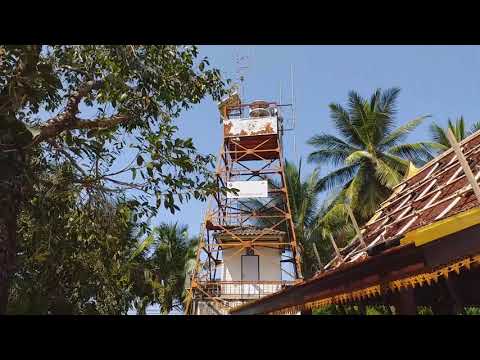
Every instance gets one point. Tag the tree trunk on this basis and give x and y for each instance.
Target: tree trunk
(8, 242)
(11, 185)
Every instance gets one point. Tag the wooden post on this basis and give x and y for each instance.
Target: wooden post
(464, 163)
(355, 225)
(306, 312)
(452, 286)
(404, 302)
(337, 251)
(317, 256)
(362, 309)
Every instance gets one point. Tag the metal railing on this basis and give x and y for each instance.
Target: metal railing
(245, 289)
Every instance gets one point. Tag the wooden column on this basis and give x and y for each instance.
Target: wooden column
(455, 295)
(306, 312)
(448, 301)
(362, 309)
(404, 302)
(442, 307)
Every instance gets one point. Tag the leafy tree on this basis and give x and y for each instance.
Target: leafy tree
(109, 111)
(80, 253)
(76, 256)
(439, 134)
(370, 155)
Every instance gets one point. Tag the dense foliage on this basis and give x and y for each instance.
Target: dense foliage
(109, 111)
(75, 251)
(80, 253)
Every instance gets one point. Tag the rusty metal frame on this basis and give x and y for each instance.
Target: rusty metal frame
(245, 158)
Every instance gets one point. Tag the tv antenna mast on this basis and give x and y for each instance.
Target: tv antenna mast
(242, 65)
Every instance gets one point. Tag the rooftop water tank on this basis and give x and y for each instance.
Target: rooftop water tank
(259, 108)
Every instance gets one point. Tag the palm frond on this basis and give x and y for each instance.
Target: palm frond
(460, 127)
(388, 102)
(334, 157)
(357, 105)
(385, 113)
(387, 175)
(329, 149)
(401, 132)
(418, 153)
(330, 142)
(337, 177)
(375, 100)
(366, 192)
(439, 135)
(360, 117)
(395, 162)
(474, 128)
(343, 123)
(358, 156)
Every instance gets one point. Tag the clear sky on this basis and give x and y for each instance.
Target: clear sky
(443, 81)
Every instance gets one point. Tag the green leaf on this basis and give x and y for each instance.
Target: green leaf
(143, 245)
(68, 138)
(150, 169)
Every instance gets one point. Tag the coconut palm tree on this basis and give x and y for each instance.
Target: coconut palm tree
(304, 205)
(439, 134)
(370, 156)
(172, 257)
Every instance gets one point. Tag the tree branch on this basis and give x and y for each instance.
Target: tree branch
(100, 123)
(71, 68)
(72, 161)
(67, 118)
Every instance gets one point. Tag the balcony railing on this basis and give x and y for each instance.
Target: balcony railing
(245, 289)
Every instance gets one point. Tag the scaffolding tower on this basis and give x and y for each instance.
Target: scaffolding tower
(247, 247)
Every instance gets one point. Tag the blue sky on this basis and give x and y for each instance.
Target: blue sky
(443, 81)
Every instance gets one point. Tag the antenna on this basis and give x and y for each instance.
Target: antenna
(243, 64)
(293, 94)
(293, 114)
(280, 99)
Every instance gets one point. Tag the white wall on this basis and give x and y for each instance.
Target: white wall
(270, 264)
(232, 265)
(269, 261)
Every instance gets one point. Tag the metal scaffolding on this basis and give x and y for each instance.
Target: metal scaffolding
(252, 218)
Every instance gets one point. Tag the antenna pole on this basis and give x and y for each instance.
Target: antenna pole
(293, 95)
(293, 114)
(280, 99)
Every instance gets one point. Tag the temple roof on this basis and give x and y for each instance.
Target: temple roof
(436, 199)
